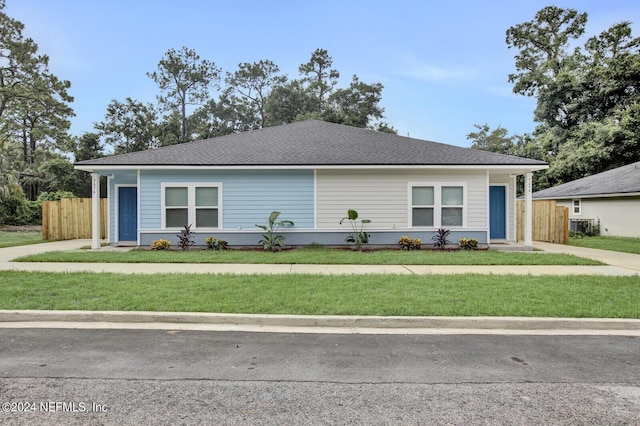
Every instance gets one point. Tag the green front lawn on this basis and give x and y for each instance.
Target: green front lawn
(434, 295)
(627, 245)
(12, 239)
(315, 256)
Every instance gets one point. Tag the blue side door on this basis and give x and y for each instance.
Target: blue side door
(497, 213)
(127, 213)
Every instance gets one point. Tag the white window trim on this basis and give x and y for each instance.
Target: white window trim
(437, 203)
(579, 206)
(191, 203)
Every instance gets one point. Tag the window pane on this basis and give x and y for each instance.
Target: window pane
(176, 218)
(206, 197)
(422, 195)
(206, 218)
(175, 197)
(451, 195)
(422, 217)
(451, 216)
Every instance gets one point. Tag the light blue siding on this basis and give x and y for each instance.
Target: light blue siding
(248, 197)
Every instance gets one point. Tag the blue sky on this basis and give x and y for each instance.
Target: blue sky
(443, 64)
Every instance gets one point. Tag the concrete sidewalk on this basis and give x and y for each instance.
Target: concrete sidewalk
(618, 264)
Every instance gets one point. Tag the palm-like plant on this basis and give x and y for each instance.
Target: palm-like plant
(271, 240)
(357, 237)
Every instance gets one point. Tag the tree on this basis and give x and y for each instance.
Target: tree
(184, 79)
(19, 61)
(87, 147)
(355, 105)
(130, 126)
(34, 103)
(543, 43)
(588, 98)
(250, 87)
(384, 127)
(287, 103)
(214, 119)
(8, 174)
(42, 118)
(319, 78)
(495, 140)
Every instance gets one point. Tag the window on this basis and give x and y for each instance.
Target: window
(176, 207)
(577, 207)
(437, 205)
(452, 205)
(196, 204)
(422, 202)
(207, 207)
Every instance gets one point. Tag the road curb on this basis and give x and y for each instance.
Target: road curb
(318, 321)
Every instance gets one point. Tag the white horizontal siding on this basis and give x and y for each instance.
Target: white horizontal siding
(618, 216)
(382, 195)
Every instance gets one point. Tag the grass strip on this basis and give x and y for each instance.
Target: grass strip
(434, 295)
(623, 244)
(13, 239)
(314, 256)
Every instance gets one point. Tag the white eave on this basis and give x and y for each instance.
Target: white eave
(506, 168)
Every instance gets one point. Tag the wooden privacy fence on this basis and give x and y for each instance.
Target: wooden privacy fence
(70, 218)
(550, 222)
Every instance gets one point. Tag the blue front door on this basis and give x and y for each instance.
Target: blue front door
(127, 213)
(497, 213)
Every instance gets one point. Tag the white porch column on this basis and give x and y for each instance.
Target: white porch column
(95, 211)
(528, 209)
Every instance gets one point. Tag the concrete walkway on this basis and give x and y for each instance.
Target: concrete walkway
(615, 258)
(617, 264)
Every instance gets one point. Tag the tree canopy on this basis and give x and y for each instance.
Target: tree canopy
(587, 97)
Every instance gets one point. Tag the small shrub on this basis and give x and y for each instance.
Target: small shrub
(440, 239)
(214, 243)
(468, 243)
(407, 243)
(55, 196)
(160, 244)
(357, 237)
(185, 237)
(271, 241)
(211, 243)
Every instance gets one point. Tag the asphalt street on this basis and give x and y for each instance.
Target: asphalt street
(55, 376)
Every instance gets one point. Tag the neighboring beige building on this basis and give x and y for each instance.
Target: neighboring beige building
(613, 197)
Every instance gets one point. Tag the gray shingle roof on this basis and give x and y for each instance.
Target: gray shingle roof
(623, 180)
(309, 143)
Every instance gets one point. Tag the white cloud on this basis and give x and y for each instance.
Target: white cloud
(411, 67)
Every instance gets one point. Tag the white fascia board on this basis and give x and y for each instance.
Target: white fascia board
(507, 168)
